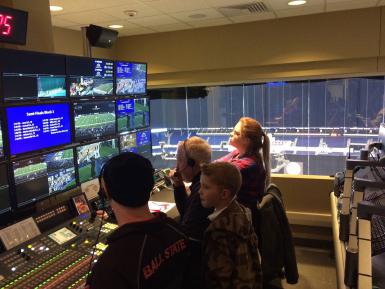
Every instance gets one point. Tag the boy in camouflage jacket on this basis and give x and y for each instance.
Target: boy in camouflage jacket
(230, 246)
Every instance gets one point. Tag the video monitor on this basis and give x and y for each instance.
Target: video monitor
(5, 205)
(92, 157)
(37, 127)
(132, 113)
(43, 176)
(90, 77)
(94, 120)
(1, 140)
(143, 143)
(137, 142)
(131, 78)
(128, 142)
(28, 75)
(17, 87)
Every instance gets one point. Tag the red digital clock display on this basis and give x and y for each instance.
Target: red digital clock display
(13, 25)
(6, 24)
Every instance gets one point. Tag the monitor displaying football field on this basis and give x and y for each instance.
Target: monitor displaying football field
(94, 120)
(92, 157)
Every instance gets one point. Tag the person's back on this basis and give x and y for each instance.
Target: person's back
(231, 245)
(146, 247)
(142, 255)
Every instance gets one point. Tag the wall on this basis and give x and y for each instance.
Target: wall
(339, 43)
(69, 42)
(39, 30)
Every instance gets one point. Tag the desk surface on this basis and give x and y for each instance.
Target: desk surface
(166, 195)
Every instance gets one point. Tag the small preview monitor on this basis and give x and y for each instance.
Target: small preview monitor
(62, 236)
(5, 205)
(128, 142)
(81, 204)
(132, 114)
(36, 127)
(90, 77)
(94, 120)
(1, 140)
(92, 157)
(43, 176)
(143, 142)
(131, 78)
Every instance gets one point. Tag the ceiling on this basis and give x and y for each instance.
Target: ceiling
(155, 16)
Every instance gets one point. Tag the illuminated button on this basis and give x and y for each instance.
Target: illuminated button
(47, 249)
(86, 241)
(41, 248)
(81, 223)
(29, 246)
(13, 269)
(73, 245)
(21, 250)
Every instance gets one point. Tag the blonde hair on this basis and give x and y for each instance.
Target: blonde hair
(224, 175)
(198, 149)
(259, 142)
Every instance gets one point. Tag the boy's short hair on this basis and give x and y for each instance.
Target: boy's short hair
(223, 174)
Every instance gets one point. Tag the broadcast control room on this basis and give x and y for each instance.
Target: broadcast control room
(83, 82)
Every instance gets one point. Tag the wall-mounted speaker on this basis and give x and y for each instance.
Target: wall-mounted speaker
(100, 36)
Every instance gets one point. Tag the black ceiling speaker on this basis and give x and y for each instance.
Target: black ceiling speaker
(100, 36)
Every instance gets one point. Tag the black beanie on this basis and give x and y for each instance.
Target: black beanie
(129, 179)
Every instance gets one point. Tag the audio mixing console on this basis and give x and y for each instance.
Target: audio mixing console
(59, 258)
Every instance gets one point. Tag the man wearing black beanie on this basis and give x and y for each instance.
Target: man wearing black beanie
(147, 250)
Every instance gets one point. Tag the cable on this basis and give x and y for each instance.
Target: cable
(97, 240)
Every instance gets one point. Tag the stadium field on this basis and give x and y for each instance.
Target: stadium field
(68, 154)
(30, 169)
(122, 124)
(106, 151)
(106, 88)
(85, 173)
(94, 120)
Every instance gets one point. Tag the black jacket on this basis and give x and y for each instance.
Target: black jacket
(275, 239)
(144, 255)
(193, 217)
(194, 221)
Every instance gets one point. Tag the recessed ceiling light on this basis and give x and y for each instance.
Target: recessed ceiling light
(115, 26)
(55, 8)
(296, 2)
(197, 16)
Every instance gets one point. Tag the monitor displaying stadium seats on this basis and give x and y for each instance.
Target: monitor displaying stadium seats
(90, 77)
(5, 205)
(94, 120)
(43, 176)
(132, 113)
(1, 140)
(32, 76)
(36, 127)
(131, 78)
(92, 157)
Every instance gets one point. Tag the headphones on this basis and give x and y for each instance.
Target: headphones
(103, 195)
(190, 162)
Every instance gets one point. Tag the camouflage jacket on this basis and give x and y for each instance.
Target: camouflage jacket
(231, 258)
